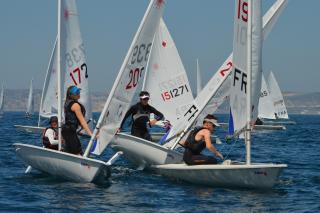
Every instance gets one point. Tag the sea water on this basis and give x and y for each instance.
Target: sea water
(132, 190)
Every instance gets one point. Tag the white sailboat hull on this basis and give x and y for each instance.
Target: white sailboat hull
(242, 175)
(143, 153)
(61, 164)
(30, 129)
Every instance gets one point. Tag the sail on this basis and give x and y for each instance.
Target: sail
(266, 108)
(269, 19)
(1, 99)
(219, 79)
(243, 79)
(166, 79)
(49, 98)
(30, 99)
(128, 79)
(199, 81)
(73, 61)
(277, 98)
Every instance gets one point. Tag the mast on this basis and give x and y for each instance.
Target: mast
(199, 86)
(249, 67)
(59, 74)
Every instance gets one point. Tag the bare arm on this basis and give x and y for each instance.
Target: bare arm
(207, 138)
(77, 110)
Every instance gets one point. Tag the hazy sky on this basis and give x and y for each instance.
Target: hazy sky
(201, 29)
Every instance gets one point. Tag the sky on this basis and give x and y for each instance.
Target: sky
(201, 29)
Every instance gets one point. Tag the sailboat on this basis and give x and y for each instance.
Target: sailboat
(247, 57)
(280, 111)
(76, 73)
(57, 163)
(167, 82)
(1, 100)
(30, 102)
(144, 153)
(272, 107)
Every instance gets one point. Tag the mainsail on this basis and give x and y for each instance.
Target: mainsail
(244, 81)
(128, 79)
(219, 78)
(49, 97)
(30, 100)
(277, 98)
(166, 79)
(266, 108)
(73, 64)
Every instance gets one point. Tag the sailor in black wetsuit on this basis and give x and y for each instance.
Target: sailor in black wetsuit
(74, 113)
(199, 139)
(141, 117)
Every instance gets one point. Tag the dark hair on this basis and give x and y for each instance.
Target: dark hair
(142, 93)
(209, 116)
(53, 119)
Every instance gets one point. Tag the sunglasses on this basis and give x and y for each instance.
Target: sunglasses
(145, 99)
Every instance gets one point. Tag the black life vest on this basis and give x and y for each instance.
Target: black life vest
(45, 140)
(71, 119)
(191, 144)
(141, 117)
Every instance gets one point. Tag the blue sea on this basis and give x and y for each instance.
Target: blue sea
(131, 190)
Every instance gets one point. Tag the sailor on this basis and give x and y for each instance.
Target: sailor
(141, 117)
(50, 134)
(259, 122)
(74, 113)
(199, 139)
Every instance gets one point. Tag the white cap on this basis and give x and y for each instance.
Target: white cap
(213, 121)
(144, 96)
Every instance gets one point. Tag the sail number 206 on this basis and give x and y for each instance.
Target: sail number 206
(173, 93)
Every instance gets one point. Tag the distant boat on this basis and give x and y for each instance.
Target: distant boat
(272, 108)
(1, 100)
(30, 103)
(277, 98)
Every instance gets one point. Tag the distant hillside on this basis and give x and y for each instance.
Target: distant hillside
(297, 103)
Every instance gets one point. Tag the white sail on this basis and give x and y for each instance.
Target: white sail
(219, 79)
(199, 81)
(266, 108)
(49, 96)
(242, 79)
(277, 98)
(128, 79)
(30, 100)
(166, 79)
(74, 66)
(1, 99)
